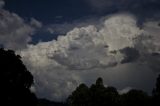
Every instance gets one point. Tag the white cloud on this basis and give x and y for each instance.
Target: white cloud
(15, 33)
(50, 30)
(63, 28)
(125, 90)
(35, 23)
(84, 54)
(120, 31)
(2, 3)
(152, 29)
(149, 46)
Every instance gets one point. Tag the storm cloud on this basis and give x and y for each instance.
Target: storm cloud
(86, 53)
(114, 46)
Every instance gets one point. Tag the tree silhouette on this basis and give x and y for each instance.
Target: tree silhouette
(96, 95)
(99, 95)
(99, 82)
(156, 93)
(15, 81)
(135, 98)
(80, 97)
(111, 96)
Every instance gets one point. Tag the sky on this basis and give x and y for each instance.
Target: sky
(67, 42)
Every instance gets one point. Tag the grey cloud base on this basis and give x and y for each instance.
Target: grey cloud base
(119, 51)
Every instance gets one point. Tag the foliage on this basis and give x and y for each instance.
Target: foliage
(99, 95)
(156, 93)
(96, 95)
(15, 81)
(135, 98)
(80, 96)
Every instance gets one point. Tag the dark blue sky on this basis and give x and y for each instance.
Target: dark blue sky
(48, 11)
(51, 12)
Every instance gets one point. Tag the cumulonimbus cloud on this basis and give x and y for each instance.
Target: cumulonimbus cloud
(119, 51)
(89, 52)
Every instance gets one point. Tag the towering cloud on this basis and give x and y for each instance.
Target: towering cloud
(117, 49)
(86, 53)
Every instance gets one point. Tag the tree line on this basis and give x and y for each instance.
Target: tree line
(99, 95)
(16, 82)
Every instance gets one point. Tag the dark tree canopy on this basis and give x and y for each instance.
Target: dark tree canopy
(80, 96)
(15, 81)
(156, 92)
(99, 95)
(99, 81)
(135, 98)
(96, 95)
